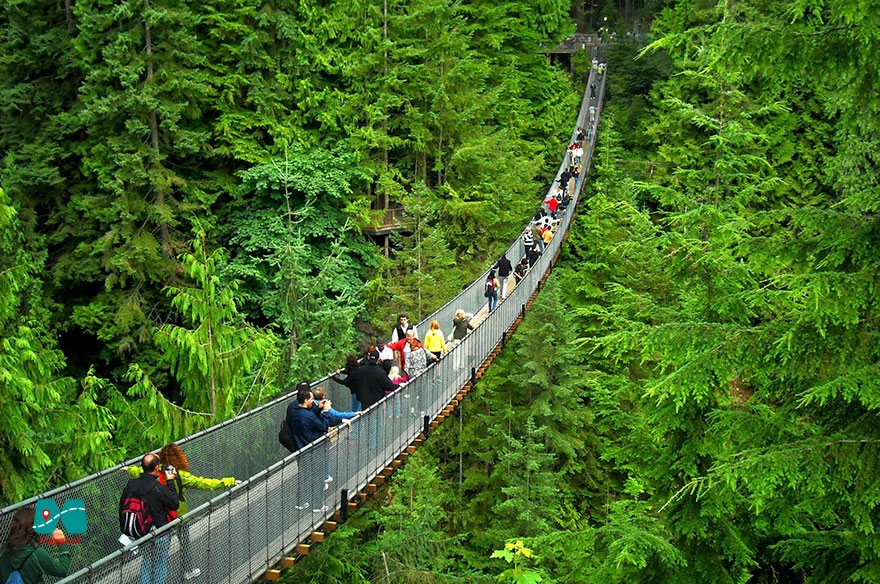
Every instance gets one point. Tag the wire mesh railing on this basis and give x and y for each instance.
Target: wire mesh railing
(234, 536)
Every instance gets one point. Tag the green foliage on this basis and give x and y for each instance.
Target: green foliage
(217, 358)
(37, 82)
(516, 553)
(137, 133)
(301, 261)
(50, 428)
(730, 299)
(410, 539)
(531, 502)
(268, 130)
(400, 540)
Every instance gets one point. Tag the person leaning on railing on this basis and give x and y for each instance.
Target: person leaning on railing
(172, 455)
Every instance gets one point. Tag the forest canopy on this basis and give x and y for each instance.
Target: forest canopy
(694, 398)
(185, 181)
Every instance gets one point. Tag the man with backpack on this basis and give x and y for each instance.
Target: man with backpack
(146, 504)
(491, 290)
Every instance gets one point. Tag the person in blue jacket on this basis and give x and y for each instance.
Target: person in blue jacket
(307, 425)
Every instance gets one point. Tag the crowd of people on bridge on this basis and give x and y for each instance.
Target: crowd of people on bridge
(386, 366)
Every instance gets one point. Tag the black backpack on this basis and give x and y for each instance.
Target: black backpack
(285, 436)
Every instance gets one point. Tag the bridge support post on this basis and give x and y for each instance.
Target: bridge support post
(343, 505)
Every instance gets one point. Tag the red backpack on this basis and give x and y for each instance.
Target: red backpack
(134, 520)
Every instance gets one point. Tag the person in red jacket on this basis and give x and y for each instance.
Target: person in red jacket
(403, 346)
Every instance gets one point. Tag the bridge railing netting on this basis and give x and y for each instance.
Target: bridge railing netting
(235, 535)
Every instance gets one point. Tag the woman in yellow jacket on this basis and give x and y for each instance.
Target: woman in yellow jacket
(434, 342)
(172, 455)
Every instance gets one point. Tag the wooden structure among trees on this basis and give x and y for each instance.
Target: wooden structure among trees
(570, 46)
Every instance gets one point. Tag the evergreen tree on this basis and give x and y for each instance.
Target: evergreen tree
(38, 82)
(531, 504)
(301, 261)
(51, 428)
(140, 137)
(219, 360)
(744, 329)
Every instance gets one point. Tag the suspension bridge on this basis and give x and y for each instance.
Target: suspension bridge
(241, 534)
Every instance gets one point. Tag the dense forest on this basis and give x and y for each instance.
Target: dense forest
(694, 398)
(185, 190)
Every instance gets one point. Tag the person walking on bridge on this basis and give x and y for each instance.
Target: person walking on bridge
(403, 326)
(386, 355)
(536, 226)
(528, 239)
(418, 358)
(504, 268)
(335, 418)
(172, 455)
(491, 288)
(369, 382)
(307, 425)
(434, 341)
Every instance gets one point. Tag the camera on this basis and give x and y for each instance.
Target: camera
(170, 470)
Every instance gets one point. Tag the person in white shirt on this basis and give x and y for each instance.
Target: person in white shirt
(386, 355)
(403, 327)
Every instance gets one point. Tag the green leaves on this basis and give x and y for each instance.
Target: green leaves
(516, 553)
(40, 408)
(734, 292)
(269, 130)
(300, 257)
(215, 357)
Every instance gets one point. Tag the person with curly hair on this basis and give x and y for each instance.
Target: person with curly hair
(23, 554)
(172, 455)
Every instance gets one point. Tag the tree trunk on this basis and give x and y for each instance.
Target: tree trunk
(164, 238)
(68, 15)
